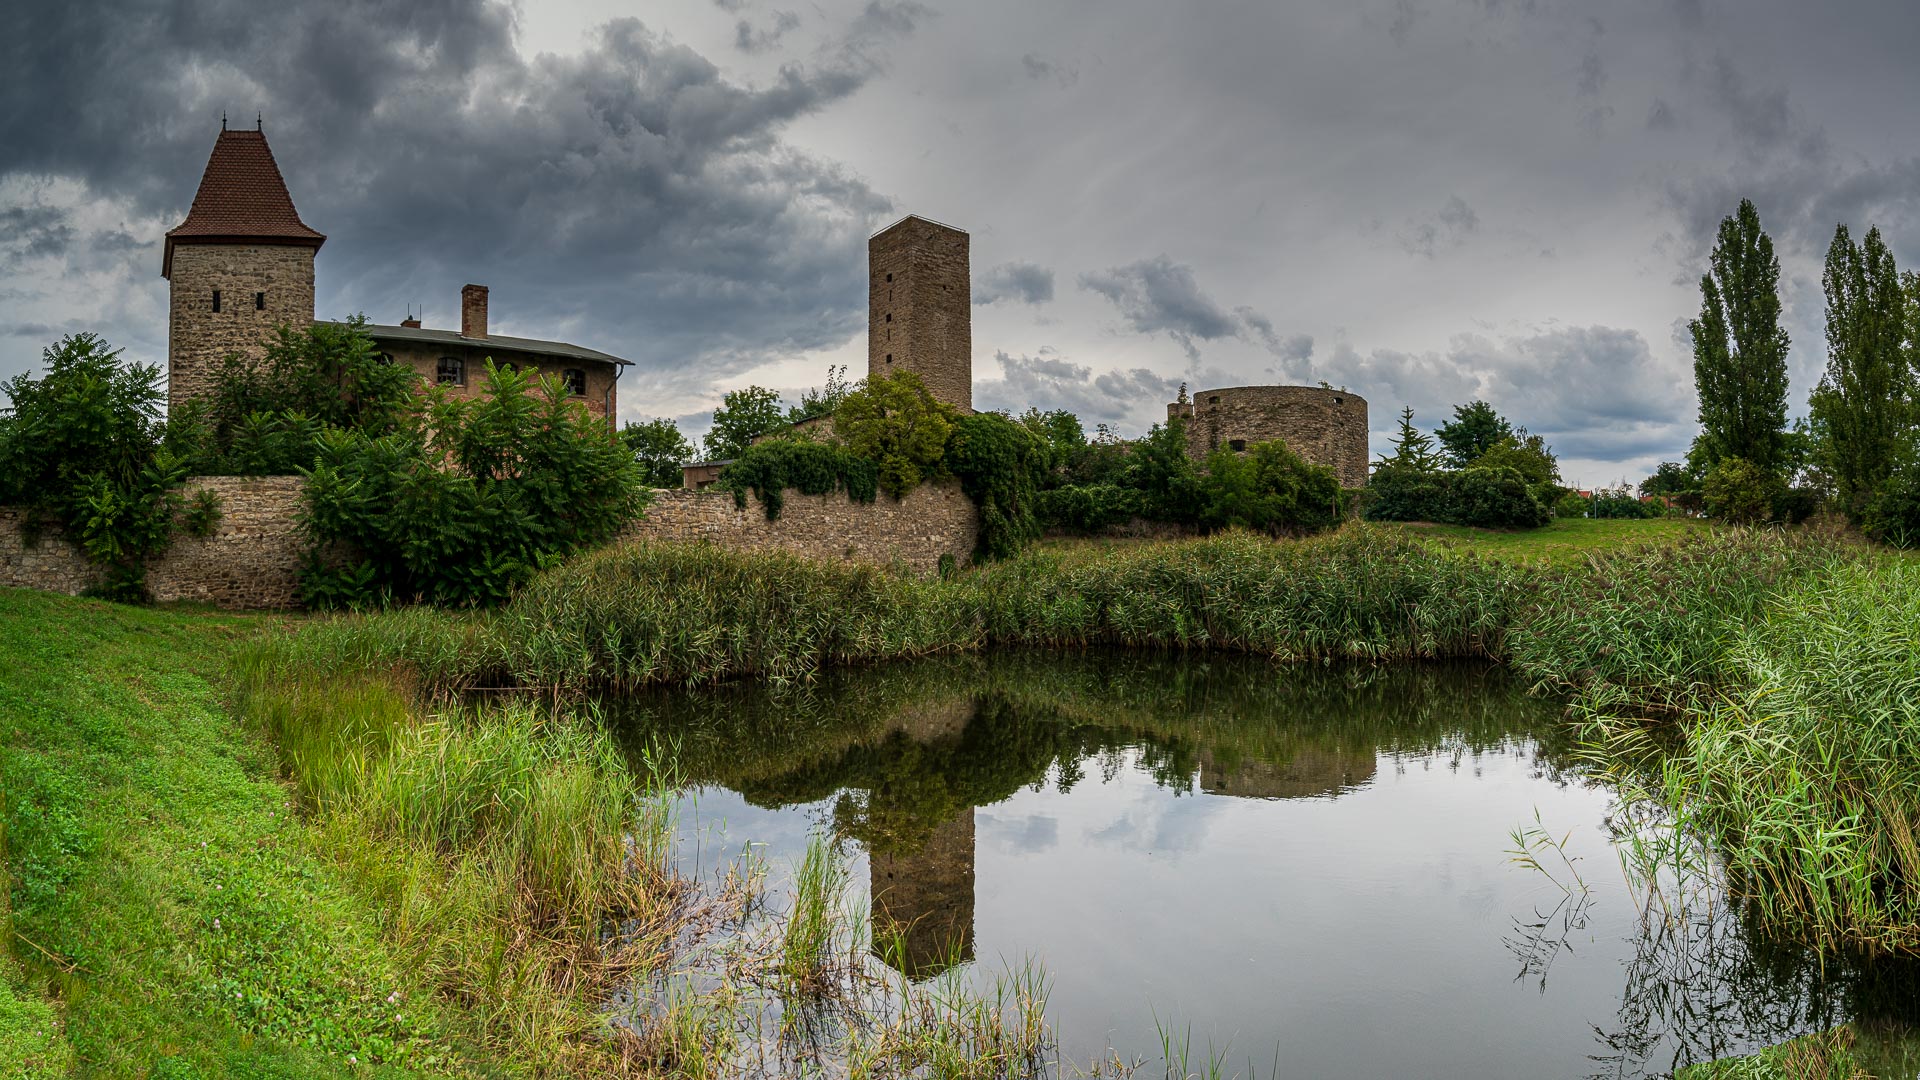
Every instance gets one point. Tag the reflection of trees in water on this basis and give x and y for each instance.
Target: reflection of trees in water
(1263, 729)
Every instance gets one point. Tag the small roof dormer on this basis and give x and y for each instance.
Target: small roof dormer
(242, 200)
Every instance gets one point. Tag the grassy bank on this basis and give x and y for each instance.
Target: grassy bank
(169, 915)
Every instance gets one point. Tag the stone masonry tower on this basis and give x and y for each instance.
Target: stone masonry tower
(240, 265)
(920, 307)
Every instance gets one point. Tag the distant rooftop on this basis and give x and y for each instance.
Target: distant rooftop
(242, 198)
(426, 336)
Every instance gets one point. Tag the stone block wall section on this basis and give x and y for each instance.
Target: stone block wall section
(933, 520)
(1326, 427)
(261, 286)
(251, 561)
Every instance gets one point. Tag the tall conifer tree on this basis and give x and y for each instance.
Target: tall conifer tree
(1861, 409)
(1740, 349)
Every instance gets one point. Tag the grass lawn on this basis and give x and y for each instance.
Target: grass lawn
(1561, 543)
(1565, 540)
(169, 915)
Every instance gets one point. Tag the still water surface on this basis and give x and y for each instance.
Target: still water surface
(1302, 871)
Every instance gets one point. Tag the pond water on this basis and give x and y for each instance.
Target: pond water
(1296, 871)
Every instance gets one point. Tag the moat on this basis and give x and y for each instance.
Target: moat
(1294, 871)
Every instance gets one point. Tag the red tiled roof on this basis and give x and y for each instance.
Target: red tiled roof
(242, 198)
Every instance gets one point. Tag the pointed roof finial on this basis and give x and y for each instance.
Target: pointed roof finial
(259, 121)
(223, 119)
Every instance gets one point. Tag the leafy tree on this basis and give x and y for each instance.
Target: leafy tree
(894, 422)
(1669, 478)
(660, 450)
(1740, 349)
(1161, 471)
(82, 447)
(1412, 448)
(1474, 430)
(743, 416)
(1862, 407)
(1061, 434)
(823, 401)
(1740, 492)
(462, 504)
(1528, 455)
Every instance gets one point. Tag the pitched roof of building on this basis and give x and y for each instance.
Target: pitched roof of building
(242, 199)
(423, 335)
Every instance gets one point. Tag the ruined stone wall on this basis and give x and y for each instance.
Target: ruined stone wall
(1326, 427)
(251, 561)
(933, 520)
(920, 308)
(253, 558)
(199, 338)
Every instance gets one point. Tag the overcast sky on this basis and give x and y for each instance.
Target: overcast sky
(1425, 201)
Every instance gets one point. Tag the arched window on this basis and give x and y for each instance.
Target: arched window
(452, 371)
(576, 380)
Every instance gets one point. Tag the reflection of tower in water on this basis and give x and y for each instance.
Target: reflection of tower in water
(923, 900)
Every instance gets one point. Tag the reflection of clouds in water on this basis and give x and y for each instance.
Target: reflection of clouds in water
(1029, 834)
(1158, 825)
(715, 825)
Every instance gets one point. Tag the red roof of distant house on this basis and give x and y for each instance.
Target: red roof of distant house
(242, 199)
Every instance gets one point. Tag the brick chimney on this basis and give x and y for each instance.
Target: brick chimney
(412, 321)
(473, 311)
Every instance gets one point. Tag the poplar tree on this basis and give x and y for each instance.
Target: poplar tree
(1740, 349)
(1861, 407)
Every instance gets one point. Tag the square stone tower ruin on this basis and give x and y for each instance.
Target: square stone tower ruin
(920, 307)
(240, 265)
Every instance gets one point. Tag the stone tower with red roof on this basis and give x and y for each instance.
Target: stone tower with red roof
(240, 265)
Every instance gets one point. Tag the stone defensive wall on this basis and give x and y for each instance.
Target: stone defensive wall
(933, 520)
(251, 561)
(253, 558)
(1325, 426)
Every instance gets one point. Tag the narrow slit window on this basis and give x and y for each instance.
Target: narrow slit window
(216, 299)
(259, 301)
(889, 358)
(452, 371)
(889, 316)
(576, 380)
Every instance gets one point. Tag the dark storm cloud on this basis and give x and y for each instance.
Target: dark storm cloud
(33, 231)
(629, 197)
(1158, 295)
(1029, 283)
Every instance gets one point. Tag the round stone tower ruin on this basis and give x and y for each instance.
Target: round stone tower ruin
(920, 307)
(1324, 426)
(238, 266)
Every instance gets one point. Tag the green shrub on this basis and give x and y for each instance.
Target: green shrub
(1572, 505)
(1893, 515)
(1161, 471)
(83, 447)
(1406, 494)
(1498, 498)
(769, 468)
(461, 507)
(1088, 508)
(1270, 489)
(999, 464)
(1740, 492)
(1622, 505)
